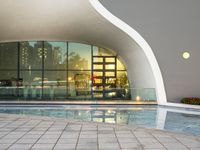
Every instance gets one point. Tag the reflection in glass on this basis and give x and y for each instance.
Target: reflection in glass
(110, 67)
(98, 51)
(8, 84)
(54, 84)
(31, 55)
(79, 84)
(61, 70)
(120, 65)
(97, 66)
(79, 56)
(8, 55)
(55, 55)
(110, 59)
(97, 59)
(110, 73)
(122, 85)
(31, 87)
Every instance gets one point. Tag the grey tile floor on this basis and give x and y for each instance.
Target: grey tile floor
(19, 132)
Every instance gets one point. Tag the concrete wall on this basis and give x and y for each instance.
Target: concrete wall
(170, 27)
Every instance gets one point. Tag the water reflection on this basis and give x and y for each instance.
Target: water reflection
(178, 120)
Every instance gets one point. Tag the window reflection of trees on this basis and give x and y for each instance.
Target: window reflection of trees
(76, 62)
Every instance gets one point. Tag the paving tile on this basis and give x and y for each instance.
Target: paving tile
(107, 140)
(127, 140)
(109, 145)
(47, 140)
(7, 141)
(152, 145)
(88, 135)
(51, 136)
(32, 136)
(125, 135)
(106, 135)
(43, 146)
(130, 145)
(87, 146)
(64, 147)
(174, 145)
(67, 141)
(27, 141)
(4, 146)
(142, 134)
(147, 140)
(88, 140)
(20, 147)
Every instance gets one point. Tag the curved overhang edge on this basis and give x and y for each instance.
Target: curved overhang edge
(133, 34)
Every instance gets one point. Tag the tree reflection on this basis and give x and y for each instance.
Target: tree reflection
(76, 62)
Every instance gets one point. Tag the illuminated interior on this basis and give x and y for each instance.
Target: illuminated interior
(61, 70)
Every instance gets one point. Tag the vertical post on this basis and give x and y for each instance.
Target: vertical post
(18, 69)
(42, 68)
(92, 96)
(67, 74)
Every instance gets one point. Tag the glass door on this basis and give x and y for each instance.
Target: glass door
(103, 77)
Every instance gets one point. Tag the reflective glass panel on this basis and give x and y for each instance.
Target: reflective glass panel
(122, 85)
(8, 55)
(55, 55)
(31, 55)
(79, 56)
(98, 51)
(97, 73)
(8, 84)
(55, 83)
(110, 73)
(110, 59)
(79, 84)
(97, 59)
(98, 66)
(31, 87)
(120, 65)
(110, 67)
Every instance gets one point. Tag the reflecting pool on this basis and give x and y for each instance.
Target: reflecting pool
(151, 116)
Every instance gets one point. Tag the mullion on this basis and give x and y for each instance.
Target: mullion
(92, 71)
(42, 69)
(18, 67)
(67, 74)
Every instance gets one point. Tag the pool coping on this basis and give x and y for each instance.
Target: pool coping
(73, 102)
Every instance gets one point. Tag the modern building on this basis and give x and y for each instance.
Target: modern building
(82, 50)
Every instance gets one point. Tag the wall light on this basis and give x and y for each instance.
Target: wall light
(138, 98)
(186, 55)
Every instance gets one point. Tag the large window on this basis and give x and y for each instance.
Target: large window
(40, 70)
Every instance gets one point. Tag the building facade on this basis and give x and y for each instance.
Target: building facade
(75, 49)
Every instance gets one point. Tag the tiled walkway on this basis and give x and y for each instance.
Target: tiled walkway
(31, 132)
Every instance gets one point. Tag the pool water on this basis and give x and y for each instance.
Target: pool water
(150, 116)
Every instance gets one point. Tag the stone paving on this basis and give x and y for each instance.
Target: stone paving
(19, 132)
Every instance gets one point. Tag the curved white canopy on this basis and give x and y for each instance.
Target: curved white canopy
(85, 21)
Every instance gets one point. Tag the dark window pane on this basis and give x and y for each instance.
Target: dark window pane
(8, 84)
(55, 84)
(8, 55)
(31, 84)
(79, 56)
(79, 84)
(31, 55)
(55, 55)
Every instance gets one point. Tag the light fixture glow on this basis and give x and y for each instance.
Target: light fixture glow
(138, 98)
(186, 55)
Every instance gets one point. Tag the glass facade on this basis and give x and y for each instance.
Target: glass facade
(40, 70)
